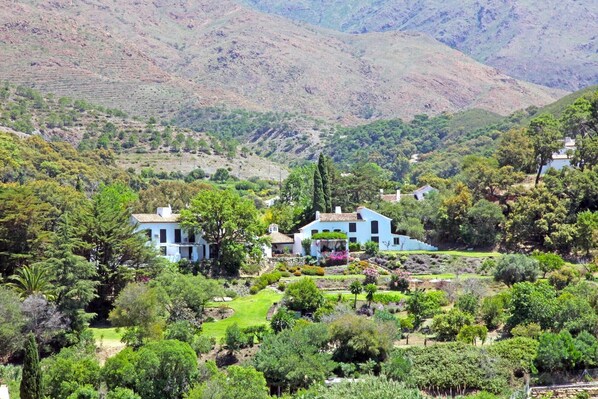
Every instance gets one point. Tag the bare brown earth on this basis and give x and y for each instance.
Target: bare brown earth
(154, 57)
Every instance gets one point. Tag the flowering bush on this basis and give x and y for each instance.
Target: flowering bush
(399, 280)
(337, 258)
(371, 275)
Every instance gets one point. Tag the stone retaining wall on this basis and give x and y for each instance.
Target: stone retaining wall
(564, 392)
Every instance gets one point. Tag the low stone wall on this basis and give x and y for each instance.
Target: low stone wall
(291, 261)
(564, 391)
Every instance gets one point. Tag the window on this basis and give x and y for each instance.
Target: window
(375, 239)
(163, 251)
(177, 235)
(191, 236)
(314, 232)
(148, 233)
(352, 239)
(337, 230)
(162, 235)
(396, 241)
(352, 227)
(374, 227)
(325, 231)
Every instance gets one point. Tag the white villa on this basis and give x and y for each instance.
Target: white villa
(361, 226)
(419, 194)
(164, 232)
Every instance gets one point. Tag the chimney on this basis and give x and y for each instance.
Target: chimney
(317, 215)
(381, 192)
(165, 211)
(398, 195)
(337, 209)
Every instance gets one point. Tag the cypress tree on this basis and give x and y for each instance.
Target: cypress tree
(319, 201)
(31, 382)
(323, 168)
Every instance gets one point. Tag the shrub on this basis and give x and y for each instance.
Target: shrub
(357, 267)
(265, 280)
(282, 320)
(303, 296)
(371, 276)
(446, 326)
(354, 247)
(386, 298)
(371, 248)
(329, 235)
(399, 281)
(312, 271)
(531, 330)
(562, 277)
(515, 268)
(202, 344)
(337, 258)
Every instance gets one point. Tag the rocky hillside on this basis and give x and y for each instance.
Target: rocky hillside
(157, 57)
(137, 143)
(549, 42)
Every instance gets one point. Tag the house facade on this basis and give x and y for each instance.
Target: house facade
(165, 233)
(361, 226)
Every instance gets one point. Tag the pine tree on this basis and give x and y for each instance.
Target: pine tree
(323, 168)
(31, 382)
(319, 201)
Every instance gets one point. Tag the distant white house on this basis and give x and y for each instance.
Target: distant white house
(361, 226)
(562, 157)
(419, 194)
(165, 233)
(280, 244)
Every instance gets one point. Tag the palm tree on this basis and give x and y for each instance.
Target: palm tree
(370, 290)
(355, 289)
(32, 280)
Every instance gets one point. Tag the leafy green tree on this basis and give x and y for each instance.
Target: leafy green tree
(111, 242)
(470, 334)
(11, 322)
(483, 224)
(120, 370)
(234, 338)
(516, 149)
(453, 212)
(548, 262)
(122, 393)
(73, 277)
(520, 352)
(586, 225)
(446, 326)
(357, 340)
(295, 358)
(468, 303)
(31, 380)
(228, 222)
(221, 175)
(236, 383)
(326, 181)
(363, 388)
(574, 314)
(532, 303)
(544, 133)
(84, 392)
(69, 370)
(319, 198)
(556, 351)
(355, 289)
(492, 311)
(303, 296)
(282, 320)
(165, 369)
(562, 277)
(515, 268)
(141, 309)
(537, 219)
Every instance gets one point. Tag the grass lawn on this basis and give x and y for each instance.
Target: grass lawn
(249, 311)
(106, 334)
(471, 254)
(327, 277)
(451, 276)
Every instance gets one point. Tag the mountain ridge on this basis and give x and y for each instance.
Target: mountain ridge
(159, 57)
(550, 42)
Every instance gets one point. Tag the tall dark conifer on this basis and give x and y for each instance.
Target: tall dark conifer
(319, 201)
(31, 381)
(323, 169)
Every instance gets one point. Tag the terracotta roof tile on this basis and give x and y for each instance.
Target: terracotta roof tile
(339, 217)
(155, 218)
(279, 238)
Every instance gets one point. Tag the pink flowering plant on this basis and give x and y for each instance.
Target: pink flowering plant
(399, 280)
(371, 275)
(337, 258)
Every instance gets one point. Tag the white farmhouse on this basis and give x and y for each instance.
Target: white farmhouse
(165, 233)
(361, 226)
